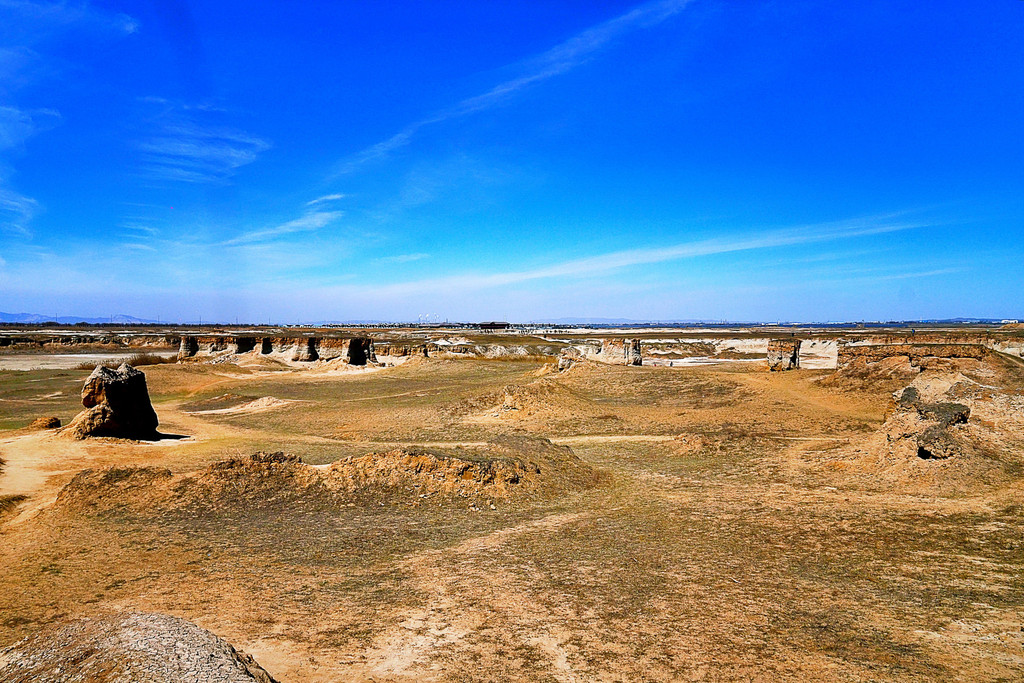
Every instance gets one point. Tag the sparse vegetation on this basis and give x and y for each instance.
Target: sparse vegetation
(721, 541)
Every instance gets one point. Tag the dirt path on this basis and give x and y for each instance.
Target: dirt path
(796, 389)
(38, 464)
(31, 459)
(461, 603)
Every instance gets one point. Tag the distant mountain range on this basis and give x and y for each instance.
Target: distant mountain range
(36, 318)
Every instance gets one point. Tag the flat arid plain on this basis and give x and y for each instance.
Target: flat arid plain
(396, 505)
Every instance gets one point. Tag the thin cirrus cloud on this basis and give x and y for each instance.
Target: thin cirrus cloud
(16, 213)
(143, 228)
(558, 60)
(309, 222)
(17, 125)
(195, 153)
(33, 21)
(605, 263)
(24, 23)
(326, 198)
(403, 258)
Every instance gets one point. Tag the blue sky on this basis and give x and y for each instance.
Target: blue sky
(710, 159)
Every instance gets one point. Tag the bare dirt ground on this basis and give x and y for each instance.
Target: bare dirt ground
(720, 543)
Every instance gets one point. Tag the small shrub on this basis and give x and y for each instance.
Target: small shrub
(137, 359)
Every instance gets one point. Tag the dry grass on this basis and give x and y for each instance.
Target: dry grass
(706, 557)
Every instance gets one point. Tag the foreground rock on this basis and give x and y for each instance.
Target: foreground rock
(117, 404)
(128, 648)
(783, 354)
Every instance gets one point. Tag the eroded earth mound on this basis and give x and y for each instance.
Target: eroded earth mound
(928, 429)
(506, 468)
(128, 648)
(783, 354)
(944, 432)
(894, 363)
(116, 404)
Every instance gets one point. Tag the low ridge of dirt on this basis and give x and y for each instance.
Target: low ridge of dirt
(506, 468)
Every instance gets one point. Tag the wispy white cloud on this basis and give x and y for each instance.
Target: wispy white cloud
(23, 23)
(127, 24)
(194, 153)
(558, 60)
(308, 222)
(403, 258)
(903, 275)
(141, 228)
(17, 125)
(326, 198)
(606, 263)
(192, 143)
(33, 19)
(16, 213)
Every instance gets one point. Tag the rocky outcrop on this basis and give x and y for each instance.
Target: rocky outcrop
(116, 404)
(128, 648)
(330, 348)
(99, 341)
(926, 426)
(903, 361)
(783, 354)
(397, 350)
(620, 352)
(568, 357)
(633, 354)
(849, 353)
(943, 434)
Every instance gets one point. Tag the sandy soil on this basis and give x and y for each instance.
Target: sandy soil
(721, 545)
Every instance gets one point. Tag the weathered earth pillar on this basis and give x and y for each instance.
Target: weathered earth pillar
(783, 354)
(632, 352)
